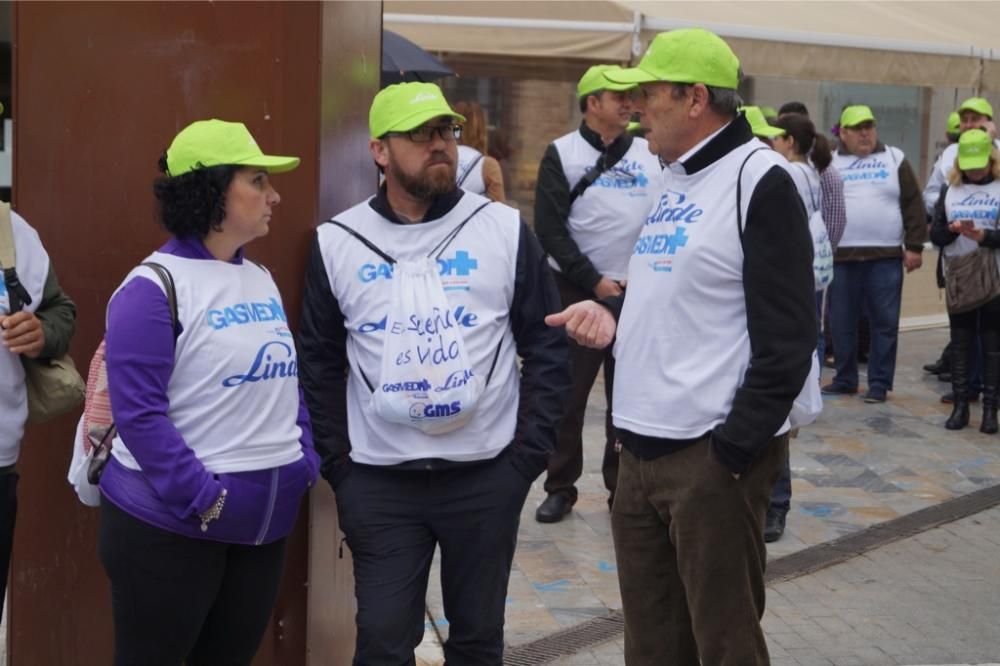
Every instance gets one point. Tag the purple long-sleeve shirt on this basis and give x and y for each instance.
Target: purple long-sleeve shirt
(175, 487)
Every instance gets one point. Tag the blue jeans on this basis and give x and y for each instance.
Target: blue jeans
(875, 287)
(821, 343)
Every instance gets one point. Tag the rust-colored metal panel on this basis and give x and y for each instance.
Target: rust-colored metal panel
(99, 91)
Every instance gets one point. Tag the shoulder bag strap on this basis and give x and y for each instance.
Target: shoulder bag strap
(446, 241)
(605, 161)
(168, 285)
(367, 243)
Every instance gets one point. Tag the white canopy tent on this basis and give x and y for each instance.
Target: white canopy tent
(950, 43)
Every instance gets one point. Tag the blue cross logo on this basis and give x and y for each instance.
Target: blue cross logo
(882, 174)
(678, 239)
(462, 264)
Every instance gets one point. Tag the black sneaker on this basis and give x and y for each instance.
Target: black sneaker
(834, 388)
(774, 527)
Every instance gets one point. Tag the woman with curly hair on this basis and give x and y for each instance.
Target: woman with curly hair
(214, 449)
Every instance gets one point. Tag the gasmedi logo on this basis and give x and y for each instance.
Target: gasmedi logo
(454, 271)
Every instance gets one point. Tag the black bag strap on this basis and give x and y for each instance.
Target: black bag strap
(468, 170)
(446, 241)
(607, 159)
(364, 241)
(168, 285)
(739, 191)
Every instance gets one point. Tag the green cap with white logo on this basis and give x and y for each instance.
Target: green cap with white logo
(593, 80)
(974, 149)
(853, 116)
(758, 123)
(691, 55)
(209, 143)
(979, 105)
(406, 106)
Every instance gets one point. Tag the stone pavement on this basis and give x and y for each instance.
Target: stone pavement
(930, 599)
(858, 465)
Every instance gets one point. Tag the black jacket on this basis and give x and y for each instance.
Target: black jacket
(780, 306)
(544, 351)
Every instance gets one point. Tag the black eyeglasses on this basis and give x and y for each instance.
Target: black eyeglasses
(425, 133)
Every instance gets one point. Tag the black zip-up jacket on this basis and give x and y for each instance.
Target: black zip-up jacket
(780, 307)
(545, 380)
(552, 208)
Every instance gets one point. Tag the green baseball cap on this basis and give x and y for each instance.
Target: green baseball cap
(769, 111)
(974, 149)
(406, 106)
(691, 55)
(209, 143)
(758, 124)
(853, 116)
(593, 80)
(954, 123)
(979, 105)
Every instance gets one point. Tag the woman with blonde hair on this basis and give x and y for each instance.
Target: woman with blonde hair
(964, 222)
(477, 171)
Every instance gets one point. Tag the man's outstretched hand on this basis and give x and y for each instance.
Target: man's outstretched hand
(587, 322)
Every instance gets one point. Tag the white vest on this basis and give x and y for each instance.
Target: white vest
(682, 347)
(871, 196)
(806, 179)
(234, 389)
(32, 269)
(939, 174)
(469, 175)
(477, 271)
(605, 220)
(979, 203)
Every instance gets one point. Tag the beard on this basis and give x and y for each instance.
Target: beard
(427, 183)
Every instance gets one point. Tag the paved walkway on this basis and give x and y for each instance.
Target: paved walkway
(857, 466)
(930, 599)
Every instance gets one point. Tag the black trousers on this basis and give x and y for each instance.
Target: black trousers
(8, 516)
(566, 464)
(393, 519)
(180, 600)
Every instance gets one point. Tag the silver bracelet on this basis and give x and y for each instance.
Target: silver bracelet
(214, 512)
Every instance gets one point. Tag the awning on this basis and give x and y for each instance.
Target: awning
(951, 44)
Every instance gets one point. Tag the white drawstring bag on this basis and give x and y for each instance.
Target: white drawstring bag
(427, 381)
(809, 402)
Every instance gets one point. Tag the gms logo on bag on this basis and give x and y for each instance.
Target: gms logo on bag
(454, 271)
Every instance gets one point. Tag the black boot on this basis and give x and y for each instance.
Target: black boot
(991, 388)
(942, 364)
(960, 342)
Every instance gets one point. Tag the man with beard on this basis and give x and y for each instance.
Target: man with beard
(402, 490)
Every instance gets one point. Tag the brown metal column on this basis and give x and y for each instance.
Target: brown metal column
(99, 91)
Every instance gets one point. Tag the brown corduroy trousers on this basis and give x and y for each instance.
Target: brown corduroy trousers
(689, 541)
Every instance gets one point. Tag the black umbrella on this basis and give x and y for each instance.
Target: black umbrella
(402, 60)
